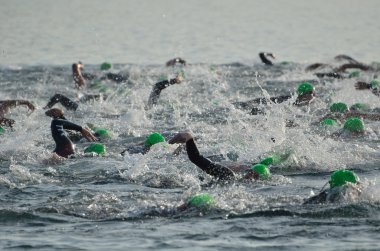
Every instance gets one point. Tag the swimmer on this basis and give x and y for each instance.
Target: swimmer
(145, 146)
(81, 77)
(158, 87)
(70, 104)
(79, 80)
(340, 112)
(341, 182)
(64, 146)
(374, 86)
(264, 57)
(175, 61)
(305, 91)
(217, 171)
(337, 71)
(7, 105)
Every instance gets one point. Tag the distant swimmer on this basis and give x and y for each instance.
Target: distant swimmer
(7, 105)
(81, 77)
(176, 61)
(264, 57)
(343, 184)
(158, 87)
(337, 71)
(374, 86)
(70, 104)
(64, 146)
(217, 171)
(340, 112)
(79, 80)
(306, 94)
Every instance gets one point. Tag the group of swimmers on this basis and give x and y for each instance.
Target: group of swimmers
(306, 93)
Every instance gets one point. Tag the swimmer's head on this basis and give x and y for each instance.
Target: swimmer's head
(154, 138)
(354, 125)
(202, 201)
(375, 84)
(339, 107)
(360, 107)
(342, 177)
(262, 171)
(305, 88)
(105, 66)
(78, 66)
(55, 113)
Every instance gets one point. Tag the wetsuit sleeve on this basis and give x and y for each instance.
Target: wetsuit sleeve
(65, 101)
(70, 126)
(158, 87)
(215, 170)
(280, 99)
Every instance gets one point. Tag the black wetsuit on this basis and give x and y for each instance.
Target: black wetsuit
(218, 171)
(64, 147)
(264, 59)
(158, 87)
(65, 101)
(70, 104)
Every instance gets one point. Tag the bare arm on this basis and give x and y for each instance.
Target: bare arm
(6, 105)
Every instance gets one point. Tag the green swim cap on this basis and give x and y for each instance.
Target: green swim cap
(330, 122)
(339, 107)
(272, 160)
(354, 74)
(202, 201)
(96, 148)
(359, 107)
(2, 130)
(375, 84)
(341, 177)
(105, 66)
(305, 88)
(154, 138)
(354, 125)
(103, 134)
(262, 170)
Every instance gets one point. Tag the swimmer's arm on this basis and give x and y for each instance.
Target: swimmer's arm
(360, 85)
(65, 101)
(158, 87)
(215, 170)
(71, 126)
(6, 105)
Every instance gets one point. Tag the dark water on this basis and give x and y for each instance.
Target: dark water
(130, 202)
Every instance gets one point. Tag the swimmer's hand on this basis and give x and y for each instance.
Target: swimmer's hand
(179, 78)
(181, 137)
(7, 122)
(88, 135)
(362, 85)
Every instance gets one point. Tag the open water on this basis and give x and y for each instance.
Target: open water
(130, 203)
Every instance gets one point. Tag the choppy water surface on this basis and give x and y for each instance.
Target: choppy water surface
(93, 203)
